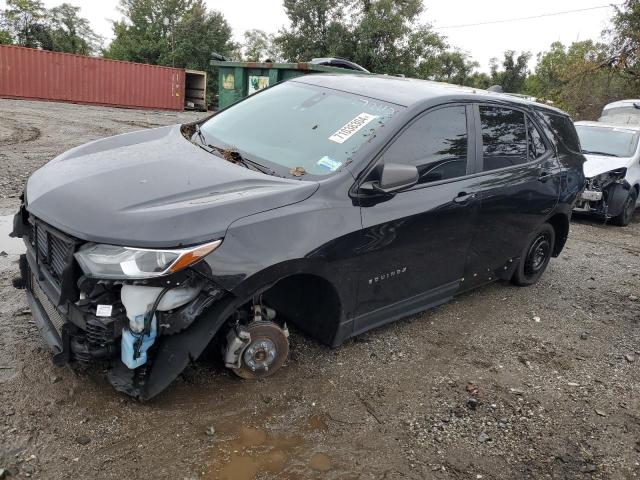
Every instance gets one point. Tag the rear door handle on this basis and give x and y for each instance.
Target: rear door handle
(464, 197)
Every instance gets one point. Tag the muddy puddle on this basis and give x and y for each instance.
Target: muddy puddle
(253, 450)
(9, 245)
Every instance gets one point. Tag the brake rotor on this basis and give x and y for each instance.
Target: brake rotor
(265, 353)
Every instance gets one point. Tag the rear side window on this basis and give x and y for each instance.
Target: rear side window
(563, 128)
(436, 143)
(504, 137)
(536, 146)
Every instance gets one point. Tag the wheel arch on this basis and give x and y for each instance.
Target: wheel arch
(560, 224)
(302, 295)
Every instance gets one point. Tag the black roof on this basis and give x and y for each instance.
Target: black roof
(408, 92)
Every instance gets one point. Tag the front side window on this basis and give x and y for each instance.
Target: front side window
(504, 137)
(436, 143)
(295, 125)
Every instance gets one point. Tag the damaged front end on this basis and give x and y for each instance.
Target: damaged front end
(605, 194)
(124, 308)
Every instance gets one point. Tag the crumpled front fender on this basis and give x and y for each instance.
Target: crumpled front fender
(174, 353)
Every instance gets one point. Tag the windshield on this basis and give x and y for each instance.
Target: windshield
(299, 126)
(616, 142)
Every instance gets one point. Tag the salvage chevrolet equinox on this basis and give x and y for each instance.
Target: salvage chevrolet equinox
(331, 203)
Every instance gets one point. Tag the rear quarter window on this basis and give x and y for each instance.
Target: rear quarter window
(563, 129)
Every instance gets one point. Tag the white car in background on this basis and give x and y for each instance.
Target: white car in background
(612, 169)
(623, 112)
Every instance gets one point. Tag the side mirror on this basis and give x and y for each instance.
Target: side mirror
(394, 178)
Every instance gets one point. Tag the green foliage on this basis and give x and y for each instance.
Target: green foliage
(28, 24)
(180, 33)
(383, 36)
(5, 38)
(479, 80)
(259, 46)
(579, 78)
(24, 20)
(455, 67)
(70, 32)
(5, 34)
(146, 34)
(625, 45)
(514, 71)
(317, 29)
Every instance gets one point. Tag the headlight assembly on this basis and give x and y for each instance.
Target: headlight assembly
(125, 263)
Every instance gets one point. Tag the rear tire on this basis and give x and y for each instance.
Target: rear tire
(627, 209)
(535, 256)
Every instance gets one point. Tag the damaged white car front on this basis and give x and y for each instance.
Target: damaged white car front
(612, 170)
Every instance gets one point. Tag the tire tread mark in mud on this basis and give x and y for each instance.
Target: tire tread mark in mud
(18, 133)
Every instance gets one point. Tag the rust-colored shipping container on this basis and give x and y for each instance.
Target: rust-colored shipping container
(44, 75)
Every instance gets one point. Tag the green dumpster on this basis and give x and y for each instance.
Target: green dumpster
(236, 80)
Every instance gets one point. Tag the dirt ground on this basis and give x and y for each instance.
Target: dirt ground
(556, 368)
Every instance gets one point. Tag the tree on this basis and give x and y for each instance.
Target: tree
(146, 34)
(383, 36)
(71, 33)
(259, 46)
(625, 44)
(386, 38)
(29, 24)
(453, 66)
(579, 78)
(180, 33)
(5, 38)
(515, 71)
(479, 80)
(317, 29)
(24, 21)
(5, 34)
(199, 33)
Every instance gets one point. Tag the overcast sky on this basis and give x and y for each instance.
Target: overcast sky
(482, 42)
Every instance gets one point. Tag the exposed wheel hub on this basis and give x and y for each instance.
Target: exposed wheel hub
(260, 354)
(259, 350)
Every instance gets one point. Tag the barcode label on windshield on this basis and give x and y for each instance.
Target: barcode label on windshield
(351, 128)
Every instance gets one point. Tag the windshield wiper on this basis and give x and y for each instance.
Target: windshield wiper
(200, 134)
(234, 156)
(604, 154)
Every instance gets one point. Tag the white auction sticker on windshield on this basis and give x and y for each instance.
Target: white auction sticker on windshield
(351, 128)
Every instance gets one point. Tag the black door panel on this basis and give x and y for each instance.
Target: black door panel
(414, 243)
(513, 201)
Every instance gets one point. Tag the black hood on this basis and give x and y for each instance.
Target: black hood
(152, 188)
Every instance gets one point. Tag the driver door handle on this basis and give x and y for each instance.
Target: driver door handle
(464, 197)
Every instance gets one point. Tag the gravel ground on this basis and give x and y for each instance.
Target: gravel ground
(504, 382)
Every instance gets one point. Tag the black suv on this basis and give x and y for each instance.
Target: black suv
(334, 203)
